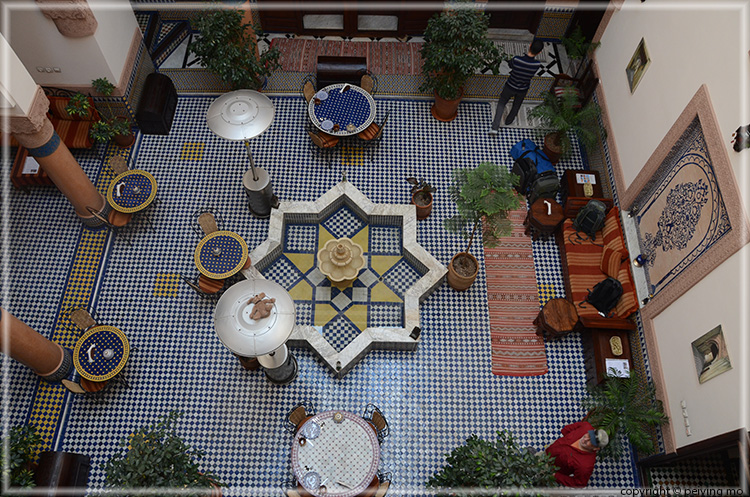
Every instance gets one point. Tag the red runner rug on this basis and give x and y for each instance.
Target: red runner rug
(513, 301)
(385, 57)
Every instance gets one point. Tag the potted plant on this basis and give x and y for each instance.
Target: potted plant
(18, 470)
(228, 47)
(562, 117)
(625, 406)
(481, 464)
(78, 105)
(118, 128)
(421, 196)
(577, 47)
(456, 46)
(155, 456)
(484, 194)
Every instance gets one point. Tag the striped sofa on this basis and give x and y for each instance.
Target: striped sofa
(73, 130)
(586, 263)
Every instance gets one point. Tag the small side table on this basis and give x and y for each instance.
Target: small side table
(543, 218)
(557, 318)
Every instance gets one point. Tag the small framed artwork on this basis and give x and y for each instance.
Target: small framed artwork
(711, 355)
(637, 66)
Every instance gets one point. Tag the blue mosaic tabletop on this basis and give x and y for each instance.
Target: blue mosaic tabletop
(221, 254)
(101, 353)
(131, 191)
(353, 110)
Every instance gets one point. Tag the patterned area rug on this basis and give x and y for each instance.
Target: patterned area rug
(513, 301)
(385, 57)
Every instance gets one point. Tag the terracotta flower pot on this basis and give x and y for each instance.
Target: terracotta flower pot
(422, 210)
(458, 281)
(124, 141)
(446, 110)
(552, 147)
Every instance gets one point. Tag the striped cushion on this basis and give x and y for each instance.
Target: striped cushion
(74, 134)
(583, 260)
(611, 260)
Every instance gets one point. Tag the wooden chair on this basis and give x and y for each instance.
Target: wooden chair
(323, 144)
(82, 319)
(369, 83)
(383, 489)
(297, 416)
(308, 88)
(371, 136)
(118, 165)
(196, 286)
(115, 220)
(375, 417)
(209, 285)
(206, 221)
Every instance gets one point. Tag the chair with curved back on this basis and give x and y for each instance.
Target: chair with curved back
(308, 88)
(322, 143)
(385, 483)
(297, 416)
(369, 83)
(118, 165)
(205, 289)
(116, 221)
(376, 418)
(82, 319)
(206, 221)
(371, 136)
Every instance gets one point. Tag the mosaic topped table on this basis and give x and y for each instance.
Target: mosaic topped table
(352, 110)
(131, 191)
(340, 452)
(221, 254)
(101, 353)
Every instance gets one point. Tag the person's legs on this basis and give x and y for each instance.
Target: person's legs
(518, 97)
(501, 103)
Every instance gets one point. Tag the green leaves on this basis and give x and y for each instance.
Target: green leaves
(493, 465)
(484, 194)
(23, 441)
(456, 46)
(78, 105)
(227, 48)
(155, 456)
(103, 86)
(576, 45)
(565, 117)
(625, 406)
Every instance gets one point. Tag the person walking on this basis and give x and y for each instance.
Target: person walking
(522, 69)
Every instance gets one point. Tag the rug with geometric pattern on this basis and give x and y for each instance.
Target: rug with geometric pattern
(513, 301)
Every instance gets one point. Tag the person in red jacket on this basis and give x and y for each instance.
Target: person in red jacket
(575, 453)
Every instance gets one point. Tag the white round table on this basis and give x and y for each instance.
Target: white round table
(345, 455)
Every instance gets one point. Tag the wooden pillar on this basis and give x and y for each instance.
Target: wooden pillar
(35, 132)
(45, 357)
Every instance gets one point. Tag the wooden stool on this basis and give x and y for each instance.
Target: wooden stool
(557, 318)
(544, 216)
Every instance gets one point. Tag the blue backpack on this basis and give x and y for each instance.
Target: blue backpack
(530, 163)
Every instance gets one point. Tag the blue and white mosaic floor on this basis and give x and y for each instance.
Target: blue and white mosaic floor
(434, 397)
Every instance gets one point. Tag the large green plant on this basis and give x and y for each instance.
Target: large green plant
(625, 406)
(564, 117)
(23, 441)
(500, 464)
(155, 456)
(577, 46)
(226, 48)
(456, 46)
(484, 194)
(111, 125)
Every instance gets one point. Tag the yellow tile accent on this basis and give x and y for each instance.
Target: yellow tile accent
(304, 262)
(323, 236)
(381, 293)
(192, 151)
(357, 314)
(382, 263)
(363, 238)
(301, 291)
(166, 284)
(546, 292)
(352, 156)
(323, 314)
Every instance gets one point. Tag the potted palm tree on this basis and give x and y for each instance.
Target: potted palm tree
(421, 196)
(625, 406)
(500, 464)
(577, 47)
(484, 195)
(562, 117)
(228, 47)
(155, 456)
(456, 46)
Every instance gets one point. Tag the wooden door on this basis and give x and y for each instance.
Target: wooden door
(504, 18)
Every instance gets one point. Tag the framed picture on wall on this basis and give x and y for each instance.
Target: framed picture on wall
(710, 354)
(637, 66)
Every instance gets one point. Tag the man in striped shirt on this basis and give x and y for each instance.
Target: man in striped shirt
(522, 69)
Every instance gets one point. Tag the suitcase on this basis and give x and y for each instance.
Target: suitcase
(545, 185)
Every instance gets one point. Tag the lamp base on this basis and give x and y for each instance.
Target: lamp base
(260, 197)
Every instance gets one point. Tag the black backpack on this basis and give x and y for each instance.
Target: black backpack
(604, 296)
(590, 218)
(545, 185)
(525, 169)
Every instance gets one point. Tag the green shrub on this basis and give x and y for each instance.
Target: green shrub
(23, 441)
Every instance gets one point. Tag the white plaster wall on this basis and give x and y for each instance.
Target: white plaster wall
(38, 43)
(688, 47)
(17, 88)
